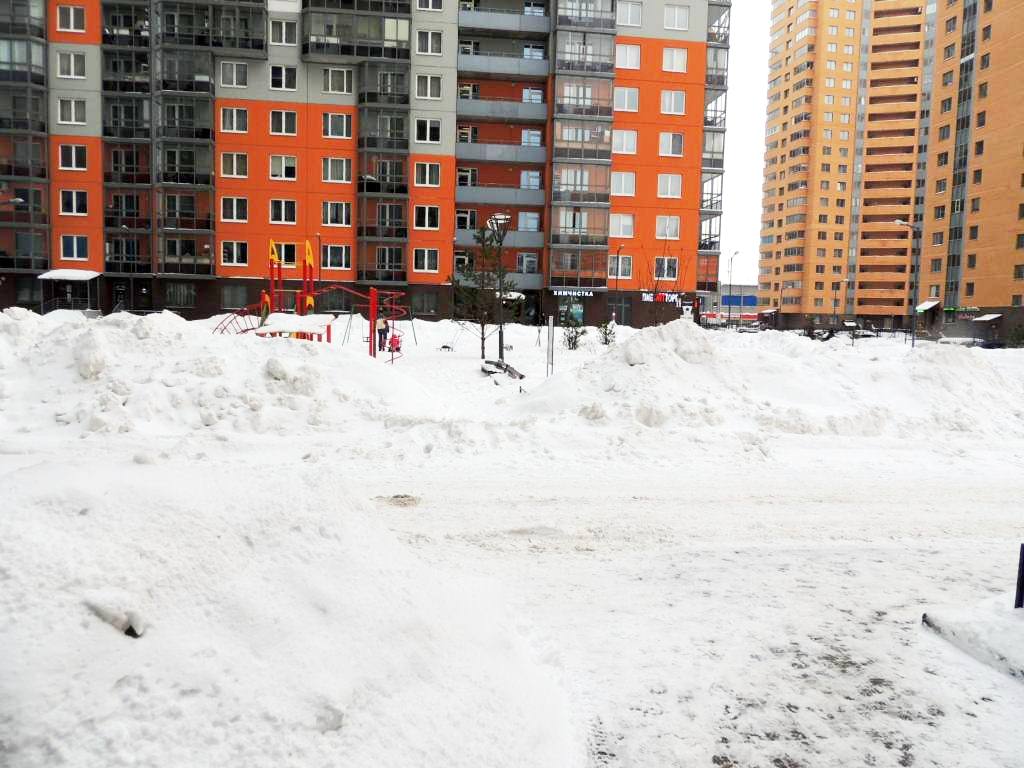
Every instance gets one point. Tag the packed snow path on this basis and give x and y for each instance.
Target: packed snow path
(693, 549)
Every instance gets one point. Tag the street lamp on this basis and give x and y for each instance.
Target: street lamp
(835, 300)
(728, 322)
(915, 257)
(498, 224)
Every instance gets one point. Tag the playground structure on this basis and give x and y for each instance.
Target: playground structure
(272, 316)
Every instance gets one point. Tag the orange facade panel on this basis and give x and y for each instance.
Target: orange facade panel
(76, 202)
(79, 22)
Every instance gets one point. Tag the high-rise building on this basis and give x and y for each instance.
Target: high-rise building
(157, 148)
(874, 162)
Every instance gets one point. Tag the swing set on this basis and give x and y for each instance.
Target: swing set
(272, 315)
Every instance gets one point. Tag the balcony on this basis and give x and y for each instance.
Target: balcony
(377, 98)
(503, 65)
(716, 77)
(391, 142)
(185, 131)
(184, 176)
(123, 130)
(578, 195)
(127, 264)
(23, 168)
(509, 22)
(127, 37)
(500, 153)
(34, 262)
(587, 64)
(115, 219)
(496, 195)
(21, 123)
(502, 110)
(388, 230)
(371, 275)
(584, 108)
(194, 84)
(186, 264)
(579, 238)
(390, 186)
(17, 22)
(329, 46)
(592, 20)
(380, 7)
(186, 221)
(466, 238)
(21, 215)
(114, 82)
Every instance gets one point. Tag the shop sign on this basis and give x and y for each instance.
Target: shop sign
(662, 298)
(574, 292)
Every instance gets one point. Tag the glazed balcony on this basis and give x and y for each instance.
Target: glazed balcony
(590, 20)
(23, 168)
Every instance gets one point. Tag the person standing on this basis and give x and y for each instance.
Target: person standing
(382, 333)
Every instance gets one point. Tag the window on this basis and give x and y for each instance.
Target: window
(673, 102)
(72, 157)
(677, 17)
(234, 74)
(234, 119)
(982, 117)
(627, 99)
(74, 202)
(527, 263)
(667, 228)
(465, 218)
(428, 130)
(527, 179)
(71, 111)
(466, 177)
(282, 32)
(938, 238)
(620, 225)
(533, 96)
(425, 259)
(283, 122)
(985, 61)
(670, 185)
(283, 78)
(624, 142)
(670, 144)
(337, 80)
(430, 5)
(673, 59)
(337, 170)
(233, 296)
(234, 253)
(336, 256)
(628, 14)
(428, 174)
(977, 176)
(336, 214)
(939, 212)
(427, 217)
(283, 167)
(666, 268)
(972, 232)
(74, 247)
(428, 86)
(282, 211)
(428, 42)
(337, 125)
(1018, 271)
(286, 251)
(528, 221)
(968, 289)
(180, 295)
(936, 265)
(949, 51)
(627, 56)
(979, 147)
(623, 183)
(234, 209)
(972, 260)
(1020, 242)
(944, 132)
(70, 18)
(982, 90)
(71, 65)
(620, 266)
(530, 137)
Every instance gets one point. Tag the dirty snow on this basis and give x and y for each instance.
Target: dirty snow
(689, 548)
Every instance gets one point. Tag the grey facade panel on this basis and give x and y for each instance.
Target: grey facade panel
(510, 23)
(507, 153)
(88, 88)
(513, 111)
(515, 239)
(510, 66)
(499, 195)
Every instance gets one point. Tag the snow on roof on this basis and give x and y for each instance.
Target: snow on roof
(75, 275)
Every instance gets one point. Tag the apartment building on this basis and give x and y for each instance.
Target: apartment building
(870, 157)
(155, 150)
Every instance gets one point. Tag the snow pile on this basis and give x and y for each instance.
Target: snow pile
(196, 613)
(992, 633)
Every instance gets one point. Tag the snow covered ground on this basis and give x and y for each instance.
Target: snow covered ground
(691, 548)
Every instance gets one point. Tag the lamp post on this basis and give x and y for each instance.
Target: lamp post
(835, 300)
(618, 273)
(915, 257)
(498, 224)
(728, 322)
(319, 260)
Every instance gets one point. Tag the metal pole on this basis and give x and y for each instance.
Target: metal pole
(1019, 601)
(500, 236)
(728, 322)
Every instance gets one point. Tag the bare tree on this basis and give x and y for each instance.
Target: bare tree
(480, 281)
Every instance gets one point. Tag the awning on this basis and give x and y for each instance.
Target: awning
(767, 311)
(74, 275)
(986, 318)
(924, 306)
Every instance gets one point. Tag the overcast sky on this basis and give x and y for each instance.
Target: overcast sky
(744, 138)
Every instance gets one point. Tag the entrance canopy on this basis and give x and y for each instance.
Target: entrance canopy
(924, 306)
(767, 311)
(986, 318)
(74, 275)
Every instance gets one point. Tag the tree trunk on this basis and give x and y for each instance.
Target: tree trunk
(483, 336)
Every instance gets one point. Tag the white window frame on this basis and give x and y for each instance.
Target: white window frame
(432, 34)
(670, 59)
(76, 196)
(76, 239)
(626, 92)
(284, 77)
(667, 182)
(629, 7)
(328, 166)
(674, 11)
(235, 261)
(426, 209)
(234, 201)
(662, 224)
(429, 121)
(426, 253)
(345, 209)
(621, 137)
(430, 5)
(74, 157)
(624, 56)
(284, 205)
(347, 78)
(661, 264)
(623, 176)
(234, 111)
(73, 103)
(327, 124)
(234, 68)
(71, 57)
(662, 136)
(525, 256)
(71, 9)
(345, 252)
(620, 220)
(430, 80)
(283, 25)
(284, 122)
(284, 166)
(618, 259)
(671, 108)
(428, 171)
(283, 249)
